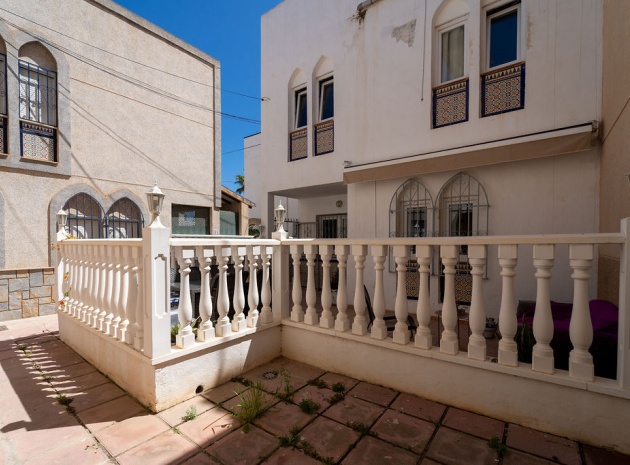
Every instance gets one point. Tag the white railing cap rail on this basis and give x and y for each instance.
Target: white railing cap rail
(222, 242)
(118, 242)
(596, 238)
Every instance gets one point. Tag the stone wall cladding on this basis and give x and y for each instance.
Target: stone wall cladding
(26, 293)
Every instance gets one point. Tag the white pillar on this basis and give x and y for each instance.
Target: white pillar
(542, 353)
(239, 323)
(379, 329)
(124, 295)
(311, 317)
(223, 326)
(449, 343)
(280, 283)
(342, 322)
(266, 316)
(424, 340)
(91, 288)
(623, 345)
(359, 325)
(327, 320)
(133, 311)
(252, 297)
(508, 351)
(102, 289)
(581, 326)
(477, 317)
(116, 292)
(401, 331)
(185, 337)
(206, 330)
(297, 312)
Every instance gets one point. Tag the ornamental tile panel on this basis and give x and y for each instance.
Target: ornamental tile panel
(503, 90)
(450, 104)
(3, 135)
(324, 137)
(38, 142)
(412, 280)
(298, 146)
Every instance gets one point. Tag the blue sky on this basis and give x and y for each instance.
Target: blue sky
(228, 30)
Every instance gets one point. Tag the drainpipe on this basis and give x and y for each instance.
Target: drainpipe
(365, 5)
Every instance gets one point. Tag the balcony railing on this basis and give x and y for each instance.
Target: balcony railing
(503, 90)
(324, 137)
(118, 292)
(298, 145)
(3, 134)
(38, 142)
(450, 103)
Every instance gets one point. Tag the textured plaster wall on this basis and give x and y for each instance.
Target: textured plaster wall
(136, 105)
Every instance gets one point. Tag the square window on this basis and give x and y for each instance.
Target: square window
(300, 109)
(452, 54)
(326, 99)
(187, 219)
(503, 36)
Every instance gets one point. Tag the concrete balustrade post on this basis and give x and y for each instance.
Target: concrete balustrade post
(379, 328)
(401, 331)
(252, 297)
(581, 327)
(280, 282)
(311, 317)
(449, 342)
(542, 353)
(477, 318)
(359, 325)
(342, 322)
(424, 339)
(239, 323)
(327, 320)
(185, 337)
(297, 312)
(266, 316)
(206, 330)
(508, 350)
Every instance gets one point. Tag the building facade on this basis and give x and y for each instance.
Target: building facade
(434, 118)
(96, 105)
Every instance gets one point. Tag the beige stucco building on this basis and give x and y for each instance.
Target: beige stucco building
(96, 105)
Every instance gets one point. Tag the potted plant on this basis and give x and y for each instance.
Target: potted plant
(491, 328)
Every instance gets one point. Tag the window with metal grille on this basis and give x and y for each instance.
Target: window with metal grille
(85, 217)
(124, 220)
(3, 103)
(332, 226)
(38, 94)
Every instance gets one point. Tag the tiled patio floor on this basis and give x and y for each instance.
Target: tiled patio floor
(353, 423)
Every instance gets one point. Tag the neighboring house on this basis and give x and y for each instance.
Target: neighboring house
(435, 118)
(234, 213)
(96, 105)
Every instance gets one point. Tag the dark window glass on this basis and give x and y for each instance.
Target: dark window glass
(300, 109)
(327, 90)
(503, 38)
(452, 54)
(190, 220)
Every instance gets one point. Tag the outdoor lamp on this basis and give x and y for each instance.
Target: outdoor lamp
(280, 213)
(155, 199)
(62, 220)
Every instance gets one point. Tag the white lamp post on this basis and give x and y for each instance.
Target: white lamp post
(155, 199)
(62, 221)
(280, 214)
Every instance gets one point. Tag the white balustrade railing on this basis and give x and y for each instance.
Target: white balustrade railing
(120, 288)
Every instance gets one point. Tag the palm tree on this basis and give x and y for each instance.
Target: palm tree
(240, 182)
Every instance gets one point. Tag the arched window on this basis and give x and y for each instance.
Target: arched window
(3, 97)
(124, 220)
(85, 217)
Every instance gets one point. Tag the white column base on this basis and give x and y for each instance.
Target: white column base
(342, 325)
(239, 325)
(297, 316)
(266, 318)
(327, 322)
(184, 342)
(312, 319)
(542, 359)
(401, 337)
(358, 328)
(449, 344)
(252, 321)
(423, 339)
(223, 328)
(378, 332)
(581, 367)
(205, 333)
(508, 356)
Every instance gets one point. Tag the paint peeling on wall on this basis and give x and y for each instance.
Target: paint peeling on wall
(405, 33)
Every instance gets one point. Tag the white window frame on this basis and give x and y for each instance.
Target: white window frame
(298, 93)
(495, 12)
(324, 82)
(440, 30)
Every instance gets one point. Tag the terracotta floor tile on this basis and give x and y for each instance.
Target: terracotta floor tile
(243, 448)
(418, 407)
(318, 395)
(233, 404)
(16, 418)
(124, 435)
(92, 397)
(516, 457)
(201, 458)
(352, 410)
(333, 378)
(222, 393)
(164, 449)
(209, 427)
(474, 424)
(544, 445)
(404, 430)
(329, 438)
(77, 383)
(175, 415)
(373, 393)
(372, 451)
(86, 451)
(290, 456)
(70, 372)
(428, 461)
(455, 448)
(282, 417)
(101, 416)
(595, 456)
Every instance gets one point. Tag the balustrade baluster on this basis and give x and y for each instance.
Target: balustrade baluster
(401, 330)
(89, 288)
(342, 322)
(266, 315)
(96, 279)
(379, 328)
(78, 271)
(109, 296)
(239, 323)
(223, 327)
(424, 340)
(542, 354)
(581, 327)
(297, 312)
(311, 317)
(132, 298)
(61, 272)
(327, 320)
(124, 295)
(206, 330)
(449, 343)
(138, 332)
(359, 325)
(72, 302)
(185, 337)
(100, 325)
(83, 283)
(252, 298)
(477, 317)
(508, 350)
(116, 293)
